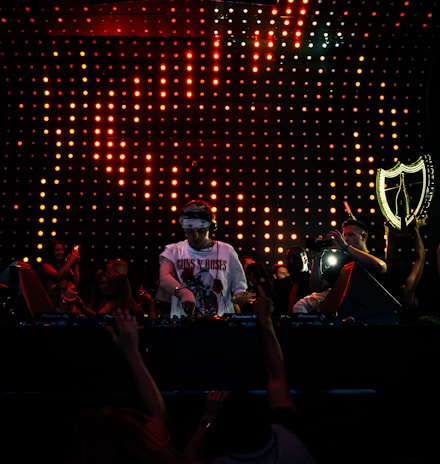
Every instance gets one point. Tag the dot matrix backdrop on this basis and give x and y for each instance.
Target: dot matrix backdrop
(114, 115)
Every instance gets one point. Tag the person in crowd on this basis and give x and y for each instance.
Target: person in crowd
(100, 291)
(116, 266)
(144, 299)
(203, 276)
(349, 246)
(162, 302)
(121, 435)
(66, 299)
(5, 305)
(310, 304)
(121, 296)
(57, 267)
(257, 275)
(279, 271)
(294, 286)
(240, 426)
(147, 303)
(245, 260)
(405, 269)
(352, 241)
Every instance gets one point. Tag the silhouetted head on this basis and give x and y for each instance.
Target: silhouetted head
(297, 260)
(244, 422)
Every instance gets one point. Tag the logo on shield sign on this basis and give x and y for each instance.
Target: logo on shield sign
(405, 191)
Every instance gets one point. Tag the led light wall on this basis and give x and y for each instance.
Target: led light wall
(114, 115)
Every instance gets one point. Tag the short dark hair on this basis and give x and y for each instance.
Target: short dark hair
(276, 266)
(199, 209)
(295, 250)
(355, 222)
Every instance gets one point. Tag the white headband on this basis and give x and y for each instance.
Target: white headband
(194, 223)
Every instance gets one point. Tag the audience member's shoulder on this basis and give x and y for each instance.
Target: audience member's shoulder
(289, 444)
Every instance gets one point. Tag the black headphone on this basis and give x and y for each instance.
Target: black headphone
(199, 209)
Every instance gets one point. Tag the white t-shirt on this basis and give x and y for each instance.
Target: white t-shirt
(284, 448)
(213, 274)
(310, 303)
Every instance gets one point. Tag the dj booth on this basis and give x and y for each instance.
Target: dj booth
(356, 343)
(64, 352)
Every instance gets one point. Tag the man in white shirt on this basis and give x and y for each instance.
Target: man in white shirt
(203, 276)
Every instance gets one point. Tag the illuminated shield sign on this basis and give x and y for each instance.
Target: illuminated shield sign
(405, 191)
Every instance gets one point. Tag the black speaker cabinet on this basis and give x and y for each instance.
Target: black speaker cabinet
(357, 296)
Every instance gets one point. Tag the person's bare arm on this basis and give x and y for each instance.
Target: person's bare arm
(317, 282)
(418, 265)
(84, 308)
(420, 255)
(198, 445)
(169, 283)
(76, 274)
(126, 338)
(278, 391)
(167, 277)
(50, 273)
(370, 262)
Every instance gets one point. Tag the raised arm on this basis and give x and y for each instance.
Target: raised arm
(278, 391)
(126, 338)
(197, 449)
(169, 283)
(370, 262)
(71, 265)
(418, 265)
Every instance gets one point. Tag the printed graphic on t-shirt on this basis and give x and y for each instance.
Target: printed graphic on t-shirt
(204, 287)
(213, 264)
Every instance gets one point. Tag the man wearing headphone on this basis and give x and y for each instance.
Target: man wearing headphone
(203, 276)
